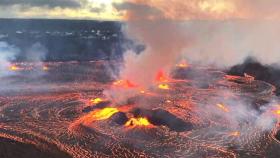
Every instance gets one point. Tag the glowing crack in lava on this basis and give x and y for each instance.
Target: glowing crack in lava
(195, 118)
(223, 107)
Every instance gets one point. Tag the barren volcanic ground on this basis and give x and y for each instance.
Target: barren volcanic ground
(63, 112)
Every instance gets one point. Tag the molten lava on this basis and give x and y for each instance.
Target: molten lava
(235, 134)
(134, 122)
(96, 100)
(163, 86)
(277, 112)
(223, 107)
(14, 68)
(104, 114)
(124, 84)
(231, 77)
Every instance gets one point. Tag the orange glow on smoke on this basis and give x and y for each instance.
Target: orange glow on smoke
(142, 91)
(223, 107)
(164, 86)
(236, 134)
(45, 68)
(134, 122)
(124, 83)
(161, 77)
(96, 100)
(104, 114)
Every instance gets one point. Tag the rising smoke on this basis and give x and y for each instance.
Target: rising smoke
(204, 32)
(7, 54)
(9, 57)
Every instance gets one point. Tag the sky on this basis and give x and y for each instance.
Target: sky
(119, 9)
(60, 9)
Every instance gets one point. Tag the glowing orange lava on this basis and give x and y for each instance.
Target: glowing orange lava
(223, 107)
(97, 115)
(96, 100)
(134, 122)
(45, 68)
(125, 84)
(236, 134)
(104, 114)
(14, 68)
(161, 77)
(277, 112)
(231, 77)
(163, 86)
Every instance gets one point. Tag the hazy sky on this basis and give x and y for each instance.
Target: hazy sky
(118, 9)
(62, 9)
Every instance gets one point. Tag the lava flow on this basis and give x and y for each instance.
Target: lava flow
(195, 112)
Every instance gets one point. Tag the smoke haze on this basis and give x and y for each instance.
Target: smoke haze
(7, 54)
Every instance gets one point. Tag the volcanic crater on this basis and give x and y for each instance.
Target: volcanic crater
(192, 114)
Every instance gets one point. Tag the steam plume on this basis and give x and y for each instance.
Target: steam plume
(7, 54)
(163, 39)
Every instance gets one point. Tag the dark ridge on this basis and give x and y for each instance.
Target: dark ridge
(120, 118)
(160, 117)
(13, 149)
(251, 66)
